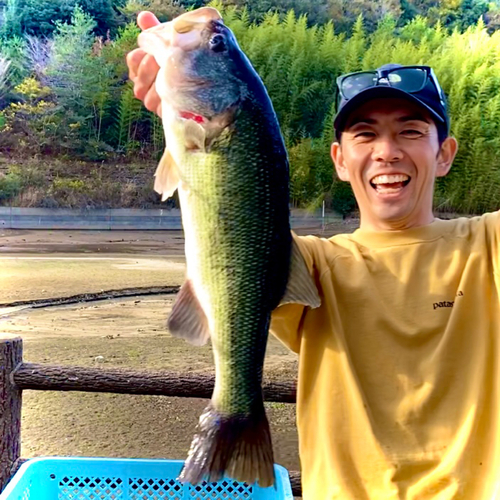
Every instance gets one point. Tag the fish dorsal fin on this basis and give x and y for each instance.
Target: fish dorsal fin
(166, 176)
(301, 288)
(187, 319)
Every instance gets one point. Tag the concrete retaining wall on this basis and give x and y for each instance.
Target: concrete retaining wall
(117, 219)
(123, 219)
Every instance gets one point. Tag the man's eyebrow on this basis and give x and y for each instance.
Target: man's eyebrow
(360, 119)
(415, 117)
(402, 119)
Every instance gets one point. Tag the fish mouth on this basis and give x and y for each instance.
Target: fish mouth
(389, 183)
(196, 20)
(186, 32)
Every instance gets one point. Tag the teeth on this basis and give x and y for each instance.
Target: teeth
(389, 179)
(387, 190)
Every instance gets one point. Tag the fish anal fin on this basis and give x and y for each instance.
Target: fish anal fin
(166, 176)
(300, 288)
(187, 319)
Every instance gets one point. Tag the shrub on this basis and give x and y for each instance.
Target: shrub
(10, 186)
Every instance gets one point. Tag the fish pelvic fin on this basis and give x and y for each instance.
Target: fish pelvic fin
(238, 446)
(187, 319)
(300, 288)
(166, 176)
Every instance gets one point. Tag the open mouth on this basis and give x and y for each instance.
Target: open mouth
(387, 184)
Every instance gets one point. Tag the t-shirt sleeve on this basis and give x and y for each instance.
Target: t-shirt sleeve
(492, 223)
(286, 320)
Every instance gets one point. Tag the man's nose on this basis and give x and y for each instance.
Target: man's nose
(386, 150)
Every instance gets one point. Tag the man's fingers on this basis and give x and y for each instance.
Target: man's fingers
(146, 76)
(152, 101)
(146, 20)
(134, 59)
(143, 68)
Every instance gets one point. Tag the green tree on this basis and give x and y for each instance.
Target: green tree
(163, 9)
(40, 17)
(80, 81)
(14, 50)
(11, 22)
(4, 76)
(470, 11)
(315, 10)
(345, 13)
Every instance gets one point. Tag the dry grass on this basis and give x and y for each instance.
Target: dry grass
(63, 183)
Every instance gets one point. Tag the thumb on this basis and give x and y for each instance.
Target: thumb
(146, 20)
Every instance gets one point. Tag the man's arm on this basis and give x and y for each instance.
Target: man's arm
(286, 323)
(143, 68)
(287, 320)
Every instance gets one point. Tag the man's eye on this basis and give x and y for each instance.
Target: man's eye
(410, 131)
(364, 134)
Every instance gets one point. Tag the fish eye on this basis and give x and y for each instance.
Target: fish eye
(217, 43)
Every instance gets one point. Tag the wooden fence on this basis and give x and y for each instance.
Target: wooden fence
(16, 376)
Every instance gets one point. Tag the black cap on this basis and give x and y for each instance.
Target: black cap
(430, 97)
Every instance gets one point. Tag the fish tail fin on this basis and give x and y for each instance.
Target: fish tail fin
(238, 446)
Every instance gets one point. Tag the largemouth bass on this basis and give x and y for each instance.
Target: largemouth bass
(226, 156)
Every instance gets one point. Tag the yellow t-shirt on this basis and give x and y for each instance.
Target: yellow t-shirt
(399, 369)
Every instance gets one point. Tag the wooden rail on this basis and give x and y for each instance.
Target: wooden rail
(16, 376)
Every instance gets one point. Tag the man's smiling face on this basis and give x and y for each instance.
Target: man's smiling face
(390, 154)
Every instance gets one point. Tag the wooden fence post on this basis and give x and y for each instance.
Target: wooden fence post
(11, 354)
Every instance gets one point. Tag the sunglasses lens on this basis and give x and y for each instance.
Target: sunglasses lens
(407, 79)
(354, 84)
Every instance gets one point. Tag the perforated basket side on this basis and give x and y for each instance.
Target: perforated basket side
(225, 489)
(148, 488)
(83, 488)
(77, 478)
(140, 488)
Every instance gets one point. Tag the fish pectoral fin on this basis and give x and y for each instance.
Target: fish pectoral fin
(166, 176)
(300, 288)
(187, 319)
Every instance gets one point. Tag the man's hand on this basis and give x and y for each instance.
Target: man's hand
(143, 68)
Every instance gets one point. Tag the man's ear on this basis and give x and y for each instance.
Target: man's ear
(446, 156)
(338, 161)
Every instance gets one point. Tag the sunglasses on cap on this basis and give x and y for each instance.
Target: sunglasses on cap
(410, 79)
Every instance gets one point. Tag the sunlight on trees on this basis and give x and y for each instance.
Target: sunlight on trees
(82, 104)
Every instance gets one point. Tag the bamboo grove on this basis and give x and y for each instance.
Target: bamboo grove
(68, 97)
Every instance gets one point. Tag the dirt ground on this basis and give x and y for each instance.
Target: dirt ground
(128, 332)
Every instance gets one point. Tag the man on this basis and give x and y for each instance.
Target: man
(398, 387)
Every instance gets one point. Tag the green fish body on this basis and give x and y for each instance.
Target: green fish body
(227, 159)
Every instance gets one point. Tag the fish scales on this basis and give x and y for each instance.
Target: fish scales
(237, 222)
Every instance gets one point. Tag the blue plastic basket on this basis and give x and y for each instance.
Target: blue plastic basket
(76, 478)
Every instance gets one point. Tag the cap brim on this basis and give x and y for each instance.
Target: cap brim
(375, 93)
